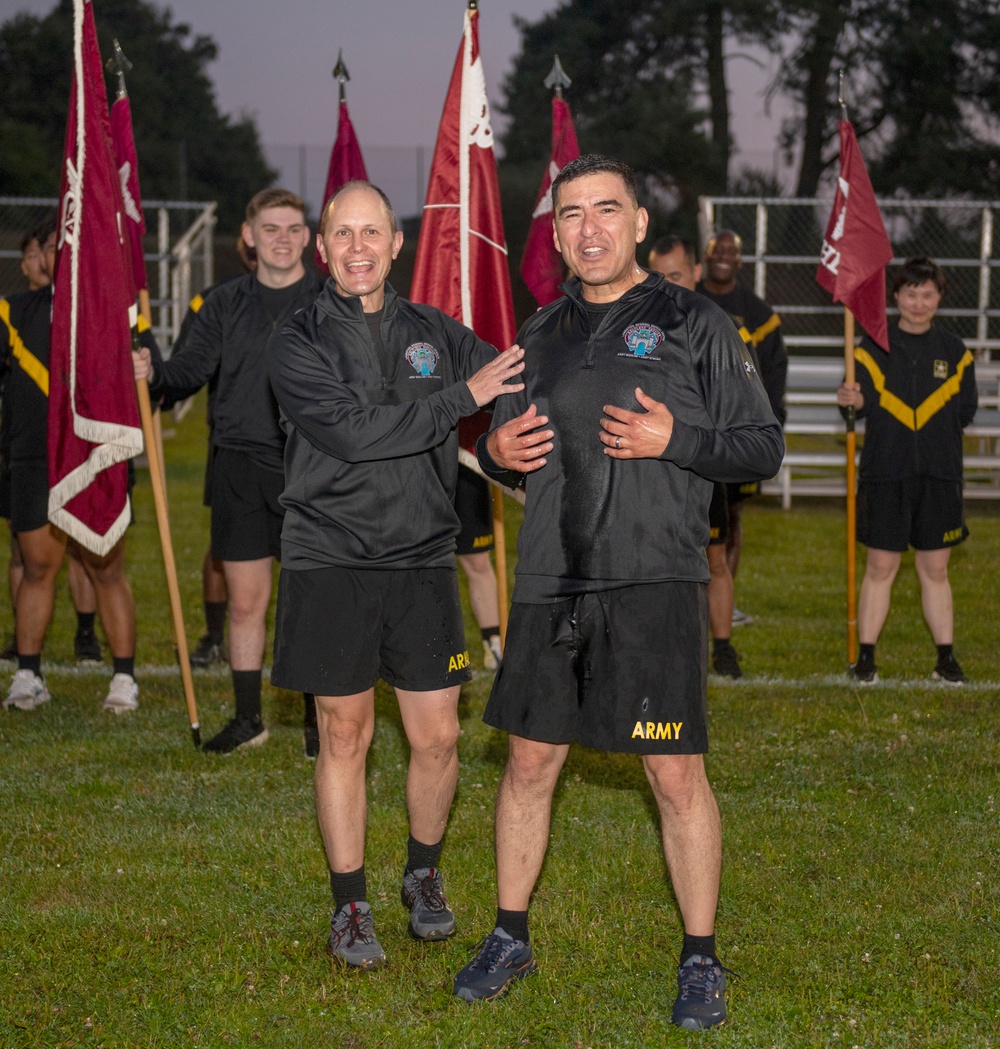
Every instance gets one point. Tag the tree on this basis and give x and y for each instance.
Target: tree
(923, 86)
(186, 147)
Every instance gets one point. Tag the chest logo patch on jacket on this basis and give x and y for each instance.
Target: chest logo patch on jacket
(642, 339)
(423, 359)
(940, 369)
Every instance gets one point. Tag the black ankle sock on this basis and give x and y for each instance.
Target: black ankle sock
(489, 631)
(246, 687)
(515, 923)
(85, 622)
(419, 855)
(215, 620)
(125, 666)
(349, 888)
(866, 650)
(32, 663)
(309, 716)
(704, 945)
(720, 643)
(944, 652)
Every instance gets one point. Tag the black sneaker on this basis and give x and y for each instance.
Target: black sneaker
(87, 649)
(863, 672)
(948, 671)
(726, 661)
(238, 733)
(423, 895)
(207, 652)
(701, 995)
(500, 960)
(352, 937)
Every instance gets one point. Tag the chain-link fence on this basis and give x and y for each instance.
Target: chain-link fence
(781, 241)
(178, 247)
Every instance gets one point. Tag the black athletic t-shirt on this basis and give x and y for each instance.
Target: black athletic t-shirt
(277, 300)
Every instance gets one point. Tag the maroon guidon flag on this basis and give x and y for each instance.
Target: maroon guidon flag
(856, 249)
(123, 144)
(93, 425)
(346, 164)
(461, 263)
(542, 265)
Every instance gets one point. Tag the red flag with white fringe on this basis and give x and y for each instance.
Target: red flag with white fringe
(461, 263)
(542, 266)
(346, 164)
(856, 248)
(93, 425)
(127, 162)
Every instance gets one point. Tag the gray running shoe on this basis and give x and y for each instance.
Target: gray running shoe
(500, 960)
(27, 691)
(123, 695)
(701, 995)
(741, 618)
(352, 937)
(423, 895)
(207, 652)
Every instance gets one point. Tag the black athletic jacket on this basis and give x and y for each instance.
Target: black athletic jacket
(760, 328)
(230, 334)
(592, 522)
(371, 458)
(918, 399)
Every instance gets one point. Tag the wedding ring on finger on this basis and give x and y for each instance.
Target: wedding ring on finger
(618, 442)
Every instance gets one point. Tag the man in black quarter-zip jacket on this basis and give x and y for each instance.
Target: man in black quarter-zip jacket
(229, 336)
(371, 389)
(638, 394)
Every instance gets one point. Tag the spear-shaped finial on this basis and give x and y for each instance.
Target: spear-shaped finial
(340, 74)
(473, 5)
(840, 96)
(557, 78)
(120, 65)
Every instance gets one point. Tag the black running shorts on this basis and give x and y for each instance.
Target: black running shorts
(338, 630)
(922, 512)
(619, 670)
(718, 516)
(246, 514)
(474, 507)
(29, 495)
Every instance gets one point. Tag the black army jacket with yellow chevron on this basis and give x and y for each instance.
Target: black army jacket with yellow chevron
(25, 320)
(918, 399)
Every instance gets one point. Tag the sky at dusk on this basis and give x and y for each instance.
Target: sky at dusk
(275, 62)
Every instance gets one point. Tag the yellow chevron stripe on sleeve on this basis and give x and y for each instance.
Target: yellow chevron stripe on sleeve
(28, 362)
(761, 333)
(143, 324)
(897, 408)
(944, 393)
(745, 335)
(196, 303)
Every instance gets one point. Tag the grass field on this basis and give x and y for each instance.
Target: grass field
(154, 896)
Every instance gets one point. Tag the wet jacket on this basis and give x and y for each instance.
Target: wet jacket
(371, 458)
(230, 336)
(593, 522)
(918, 399)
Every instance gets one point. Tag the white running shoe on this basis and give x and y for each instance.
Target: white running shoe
(123, 694)
(741, 618)
(27, 691)
(491, 652)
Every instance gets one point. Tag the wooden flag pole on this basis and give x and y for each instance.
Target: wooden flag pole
(500, 553)
(852, 498)
(146, 311)
(169, 565)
